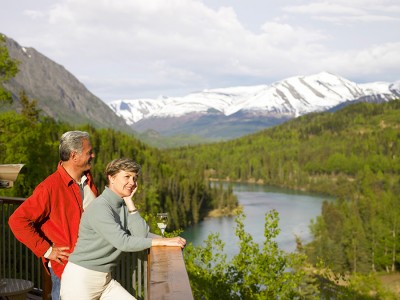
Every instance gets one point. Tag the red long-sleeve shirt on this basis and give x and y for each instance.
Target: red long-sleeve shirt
(51, 215)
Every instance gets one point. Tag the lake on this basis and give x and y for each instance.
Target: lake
(296, 210)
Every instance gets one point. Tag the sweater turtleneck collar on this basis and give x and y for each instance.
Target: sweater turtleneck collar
(112, 198)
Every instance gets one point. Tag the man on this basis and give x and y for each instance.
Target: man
(48, 221)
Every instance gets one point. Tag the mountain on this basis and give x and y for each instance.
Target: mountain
(58, 93)
(232, 112)
(209, 115)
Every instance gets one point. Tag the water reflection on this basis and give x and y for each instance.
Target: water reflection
(295, 209)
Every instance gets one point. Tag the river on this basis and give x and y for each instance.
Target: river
(296, 210)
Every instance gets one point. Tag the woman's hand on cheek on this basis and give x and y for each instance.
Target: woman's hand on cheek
(128, 200)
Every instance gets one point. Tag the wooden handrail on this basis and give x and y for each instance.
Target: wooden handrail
(12, 200)
(168, 275)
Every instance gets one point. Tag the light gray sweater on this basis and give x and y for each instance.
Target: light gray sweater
(106, 230)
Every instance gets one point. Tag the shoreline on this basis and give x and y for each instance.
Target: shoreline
(224, 212)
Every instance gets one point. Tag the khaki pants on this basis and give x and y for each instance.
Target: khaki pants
(79, 283)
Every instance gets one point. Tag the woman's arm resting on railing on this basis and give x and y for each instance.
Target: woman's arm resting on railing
(175, 241)
(153, 235)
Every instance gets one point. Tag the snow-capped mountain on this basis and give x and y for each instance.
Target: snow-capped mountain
(205, 112)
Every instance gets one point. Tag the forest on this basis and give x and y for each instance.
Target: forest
(163, 185)
(351, 154)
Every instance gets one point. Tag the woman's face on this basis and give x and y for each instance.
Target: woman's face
(123, 183)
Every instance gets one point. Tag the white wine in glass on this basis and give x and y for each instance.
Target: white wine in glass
(162, 220)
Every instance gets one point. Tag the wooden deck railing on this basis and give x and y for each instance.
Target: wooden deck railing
(168, 276)
(16, 260)
(158, 273)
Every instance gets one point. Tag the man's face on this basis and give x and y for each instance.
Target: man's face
(83, 160)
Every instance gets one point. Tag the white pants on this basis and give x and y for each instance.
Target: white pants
(78, 283)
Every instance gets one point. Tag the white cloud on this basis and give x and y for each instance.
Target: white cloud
(375, 59)
(343, 11)
(371, 63)
(34, 14)
(329, 8)
(285, 35)
(132, 48)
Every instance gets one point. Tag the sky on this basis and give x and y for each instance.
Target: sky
(131, 49)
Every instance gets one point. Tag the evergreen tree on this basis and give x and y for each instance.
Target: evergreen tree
(29, 108)
(256, 272)
(8, 69)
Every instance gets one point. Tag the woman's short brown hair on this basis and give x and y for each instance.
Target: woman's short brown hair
(122, 164)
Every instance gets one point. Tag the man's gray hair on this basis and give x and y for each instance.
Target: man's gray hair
(71, 141)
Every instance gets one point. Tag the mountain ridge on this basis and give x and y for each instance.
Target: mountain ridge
(59, 94)
(209, 115)
(262, 105)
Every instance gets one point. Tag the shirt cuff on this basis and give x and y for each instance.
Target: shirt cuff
(132, 211)
(48, 252)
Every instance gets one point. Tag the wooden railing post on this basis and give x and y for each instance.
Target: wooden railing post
(148, 274)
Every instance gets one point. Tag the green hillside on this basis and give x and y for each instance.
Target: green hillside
(352, 154)
(32, 140)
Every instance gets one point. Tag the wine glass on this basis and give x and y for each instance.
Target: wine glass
(162, 220)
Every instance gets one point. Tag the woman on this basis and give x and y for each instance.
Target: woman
(110, 225)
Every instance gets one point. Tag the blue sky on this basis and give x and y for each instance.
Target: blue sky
(128, 49)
